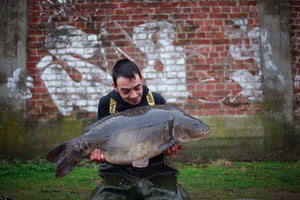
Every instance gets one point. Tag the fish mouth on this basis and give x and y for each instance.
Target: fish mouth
(206, 133)
(186, 139)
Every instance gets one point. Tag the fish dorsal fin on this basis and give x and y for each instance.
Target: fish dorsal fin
(166, 145)
(142, 163)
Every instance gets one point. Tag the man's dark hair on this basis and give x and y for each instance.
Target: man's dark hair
(125, 68)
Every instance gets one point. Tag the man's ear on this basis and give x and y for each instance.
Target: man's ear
(142, 79)
(115, 87)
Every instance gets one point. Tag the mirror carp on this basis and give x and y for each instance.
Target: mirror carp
(130, 137)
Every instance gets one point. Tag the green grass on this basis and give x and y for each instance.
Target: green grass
(218, 180)
(239, 180)
(35, 180)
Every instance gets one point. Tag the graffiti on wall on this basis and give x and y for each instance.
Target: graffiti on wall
(269, 64)
(71, 48)
(166, 67)
(19, 85)
(64, 8)
(66, 42)
(73, 79)
(295, 40)
(297, 85)
(249, 48)
(250, 83)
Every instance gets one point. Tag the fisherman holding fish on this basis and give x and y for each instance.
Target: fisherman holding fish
(156, 181)
(134, 136)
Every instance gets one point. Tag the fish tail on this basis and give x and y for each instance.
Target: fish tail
(67, 160)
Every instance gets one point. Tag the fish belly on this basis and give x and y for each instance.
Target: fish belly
(136, 146)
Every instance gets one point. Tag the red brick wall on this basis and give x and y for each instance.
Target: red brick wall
(201, 55)
(294, 7)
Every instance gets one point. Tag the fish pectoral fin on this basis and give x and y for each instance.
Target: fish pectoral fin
(166, 145)
(142, 163)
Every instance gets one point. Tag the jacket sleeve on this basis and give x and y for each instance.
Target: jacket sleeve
(103, 107)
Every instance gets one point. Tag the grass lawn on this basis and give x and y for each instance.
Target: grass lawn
(217, 180)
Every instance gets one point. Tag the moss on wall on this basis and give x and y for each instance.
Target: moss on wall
(28, 139)
(13, 138)
(244, 138)
(44, 135)
(281, 141)
(232, 137)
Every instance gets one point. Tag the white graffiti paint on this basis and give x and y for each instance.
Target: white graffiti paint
(117, 50)
(229, 96)
(65, 91)
(269, 64)
(251, 84)
(205, 77)
(297, 85)
(244, 51)
(67, 39)
(156, 39)
(19, 85)
(297, 81)
(295, 41)
(203, 51)
(62, 9)
(268, 60)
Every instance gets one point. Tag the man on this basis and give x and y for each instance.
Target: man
(157, 180)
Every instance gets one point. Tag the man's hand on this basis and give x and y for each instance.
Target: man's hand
(97, 156)
(173, 150)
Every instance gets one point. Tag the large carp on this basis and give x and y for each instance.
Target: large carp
(130, 137)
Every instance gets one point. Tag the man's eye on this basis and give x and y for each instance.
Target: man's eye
(137, 88)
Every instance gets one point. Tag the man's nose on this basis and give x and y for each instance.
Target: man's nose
(133, 94)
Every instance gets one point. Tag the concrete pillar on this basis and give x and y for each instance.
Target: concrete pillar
(281, 137)
(13, 88)
(13, 35)
(276, 60)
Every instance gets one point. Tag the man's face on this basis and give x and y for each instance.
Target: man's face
(130, 90)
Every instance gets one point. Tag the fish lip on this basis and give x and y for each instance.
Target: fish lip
(207, 133)
(182, 140)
